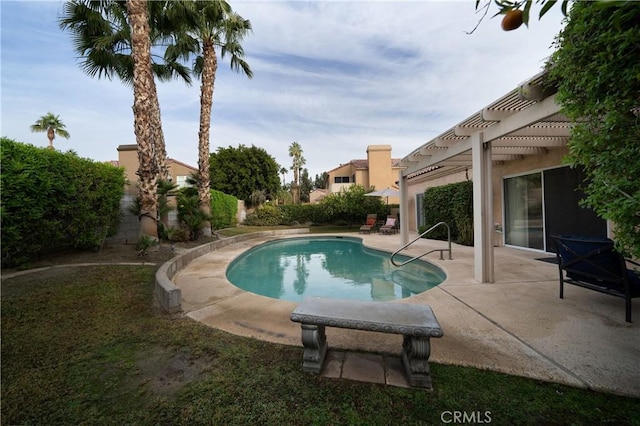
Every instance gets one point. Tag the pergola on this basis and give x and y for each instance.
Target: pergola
(525, 121)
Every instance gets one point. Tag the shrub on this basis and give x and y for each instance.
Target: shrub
(223, 210)
(351, 205)
(177, 234)
(190, 216)
(265, 215)
(50, 199)
(303, 213)
(144, 243)
(452, 204)
(597, 69)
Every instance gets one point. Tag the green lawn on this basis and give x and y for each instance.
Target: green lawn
(86, 346)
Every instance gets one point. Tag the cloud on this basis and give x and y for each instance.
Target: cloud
(334, 76)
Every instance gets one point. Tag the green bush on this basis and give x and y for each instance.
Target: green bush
(265, 215)
(452, 204)
(597, 69)
(190, 216)
(177, 234)
(303, 213)
(50, 199)
(144, 244)
(351, 206)
(223, 210)
(347, 207)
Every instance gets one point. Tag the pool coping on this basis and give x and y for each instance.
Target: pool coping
(169, 296)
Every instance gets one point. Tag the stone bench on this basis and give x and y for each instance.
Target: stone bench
(416, 323)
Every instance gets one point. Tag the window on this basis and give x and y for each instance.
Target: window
(181, 181)
(341, 179)
(420, 210)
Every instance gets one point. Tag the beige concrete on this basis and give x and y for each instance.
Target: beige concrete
(517, 325)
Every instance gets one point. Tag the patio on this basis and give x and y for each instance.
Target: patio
(516, 325)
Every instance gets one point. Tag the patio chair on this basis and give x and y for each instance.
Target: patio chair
(593, 263)
(390, 226)
(369, 224)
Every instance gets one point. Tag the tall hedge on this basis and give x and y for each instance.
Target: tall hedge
(597, 69)
(224, 208)
(50, 199)
(452, 204)
(304, 213)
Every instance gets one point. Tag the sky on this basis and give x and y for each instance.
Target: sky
(334, 76)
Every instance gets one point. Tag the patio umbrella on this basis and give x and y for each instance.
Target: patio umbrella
(388, 192)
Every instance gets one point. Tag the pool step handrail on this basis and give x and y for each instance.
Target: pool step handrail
(430, 251)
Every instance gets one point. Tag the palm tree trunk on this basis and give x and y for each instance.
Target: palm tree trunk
(51, 135)
(143, 108)
(296, 187)
(206, 102)
(160, 147)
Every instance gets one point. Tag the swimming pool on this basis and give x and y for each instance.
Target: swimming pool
(335, 267)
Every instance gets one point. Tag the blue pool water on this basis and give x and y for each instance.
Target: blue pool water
(334, 267)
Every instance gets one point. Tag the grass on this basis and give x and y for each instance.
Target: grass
(86, 346)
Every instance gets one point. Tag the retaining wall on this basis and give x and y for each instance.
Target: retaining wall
(169, 296)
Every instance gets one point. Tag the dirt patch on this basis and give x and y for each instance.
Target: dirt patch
(163, 372)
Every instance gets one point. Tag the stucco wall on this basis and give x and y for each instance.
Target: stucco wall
(128, 158)
(344, 170)
(379, 157)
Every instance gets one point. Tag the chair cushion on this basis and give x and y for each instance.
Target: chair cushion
(371, 221)
(390, 222)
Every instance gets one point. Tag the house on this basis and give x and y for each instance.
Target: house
(316, 195)
(512, 150)
(128, 158)
(129, 230)
(378, 171)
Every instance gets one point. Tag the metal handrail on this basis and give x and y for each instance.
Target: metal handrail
(431, 251)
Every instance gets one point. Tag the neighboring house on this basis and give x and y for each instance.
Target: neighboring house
(378, 171)
(128, 158)
(523, 193)
(129, 230)
(317, 195)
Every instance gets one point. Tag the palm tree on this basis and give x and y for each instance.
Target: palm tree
(207, 25)
(102, 37)
(51, 124)
(295, 151)
(144, 96)
(283, 172)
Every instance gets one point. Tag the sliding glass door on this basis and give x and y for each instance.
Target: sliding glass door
(546, 203)
(524, 211)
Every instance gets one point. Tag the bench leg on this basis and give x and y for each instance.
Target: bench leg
(415, 357)
(314, 341)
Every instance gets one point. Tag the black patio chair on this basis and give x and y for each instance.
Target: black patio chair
(593, 263)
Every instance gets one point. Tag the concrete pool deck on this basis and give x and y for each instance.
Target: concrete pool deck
(516, 325)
